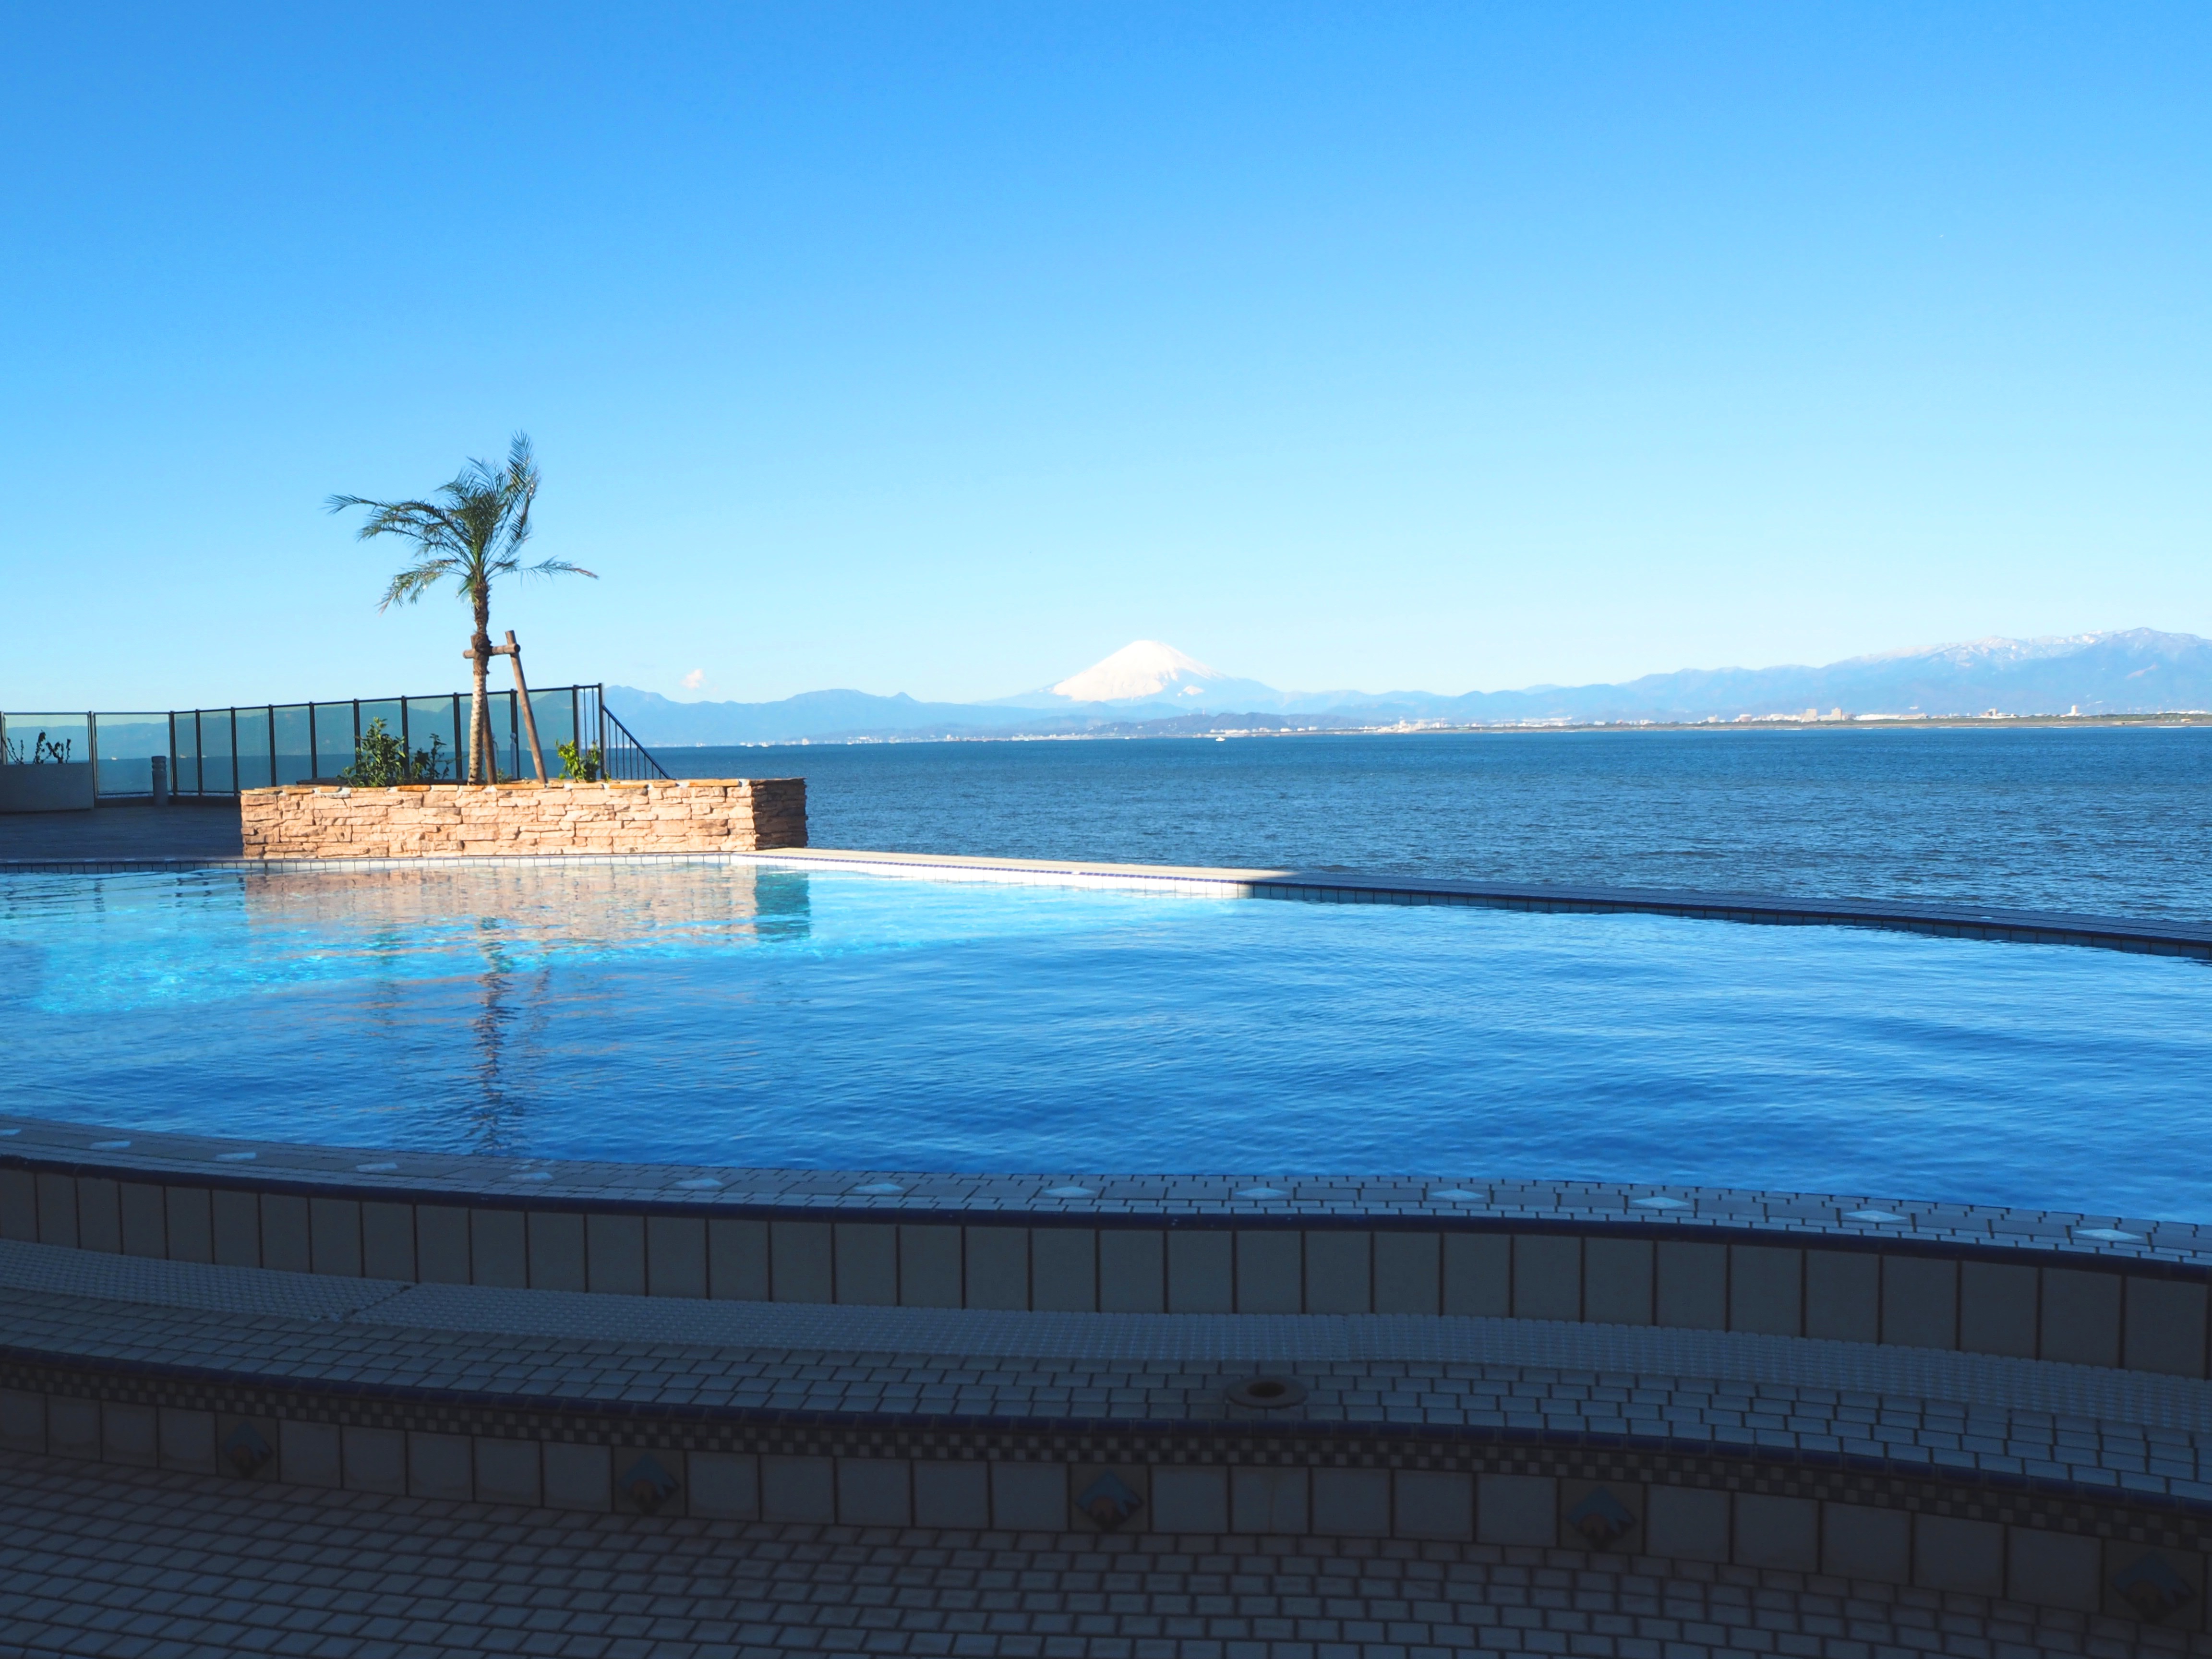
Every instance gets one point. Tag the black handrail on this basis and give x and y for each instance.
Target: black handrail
(622, 756)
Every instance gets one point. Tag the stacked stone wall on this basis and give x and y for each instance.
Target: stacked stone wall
(443, 820)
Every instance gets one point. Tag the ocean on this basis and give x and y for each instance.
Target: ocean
(2104, 819)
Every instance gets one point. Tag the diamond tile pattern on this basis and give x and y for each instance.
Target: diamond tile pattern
(2099, 1429)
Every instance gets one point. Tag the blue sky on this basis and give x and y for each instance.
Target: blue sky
(945, 349)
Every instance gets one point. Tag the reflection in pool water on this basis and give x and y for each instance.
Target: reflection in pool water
(703, 1013)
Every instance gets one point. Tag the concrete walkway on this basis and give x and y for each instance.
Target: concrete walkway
(123, 832)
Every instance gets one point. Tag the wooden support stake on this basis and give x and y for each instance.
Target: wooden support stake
(529, 715)
(522, 691)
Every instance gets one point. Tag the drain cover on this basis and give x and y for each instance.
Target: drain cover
(1267, 1393)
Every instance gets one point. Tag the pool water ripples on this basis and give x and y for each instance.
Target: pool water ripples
(770, 1016)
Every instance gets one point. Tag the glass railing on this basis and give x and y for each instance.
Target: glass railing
(124, 748)
(34, 739)
(117, 749)
(214, 752)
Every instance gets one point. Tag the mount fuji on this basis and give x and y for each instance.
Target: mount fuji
(1148, 675)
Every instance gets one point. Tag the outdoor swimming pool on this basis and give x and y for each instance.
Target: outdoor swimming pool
(771, 1016)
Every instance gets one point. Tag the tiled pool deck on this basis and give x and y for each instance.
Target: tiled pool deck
(1941, 1470)
(129, 1562)
(257, 1396)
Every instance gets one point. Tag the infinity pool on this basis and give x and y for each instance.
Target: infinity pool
(700, 1013)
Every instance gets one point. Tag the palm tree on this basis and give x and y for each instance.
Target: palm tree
(473, 533)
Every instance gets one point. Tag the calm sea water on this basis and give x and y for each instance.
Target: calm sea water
(815, 1018)
(2094, 818)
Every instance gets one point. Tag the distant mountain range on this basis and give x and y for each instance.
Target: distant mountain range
(1151, 689)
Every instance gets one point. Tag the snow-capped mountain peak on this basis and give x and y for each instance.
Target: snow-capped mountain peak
(1143, 668)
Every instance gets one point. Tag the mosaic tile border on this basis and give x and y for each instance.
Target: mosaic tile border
(1244, 1439)
(1472, 1203)
(2142, 1314)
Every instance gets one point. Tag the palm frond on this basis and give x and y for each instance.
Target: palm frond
(411, 584)
(473, 532)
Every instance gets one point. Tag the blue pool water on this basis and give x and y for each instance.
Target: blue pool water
(770, 1016)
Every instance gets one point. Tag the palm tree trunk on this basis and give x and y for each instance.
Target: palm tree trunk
(484, 766)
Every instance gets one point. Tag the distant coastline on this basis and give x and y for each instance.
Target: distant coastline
(1132, 731)
(1148, 689)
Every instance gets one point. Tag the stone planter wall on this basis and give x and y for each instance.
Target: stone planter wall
(696, 815)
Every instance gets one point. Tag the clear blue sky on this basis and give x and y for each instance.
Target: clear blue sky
(945, 349)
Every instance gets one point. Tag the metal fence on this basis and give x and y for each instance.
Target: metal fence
(214, 752)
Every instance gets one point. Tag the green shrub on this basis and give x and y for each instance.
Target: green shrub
(380, 760)
(584, 765)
